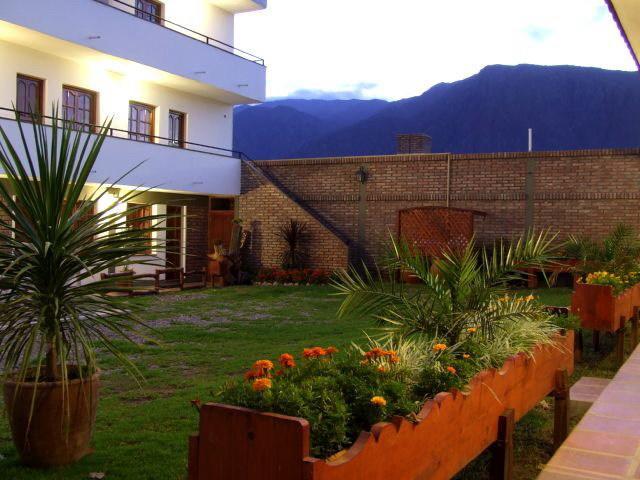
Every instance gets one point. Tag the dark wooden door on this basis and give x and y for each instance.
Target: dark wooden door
(220, 226)
(174, 237)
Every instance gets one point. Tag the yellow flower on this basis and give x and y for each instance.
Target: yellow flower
(472, 329)
(530, 298)
(379, 401)
(439, 347)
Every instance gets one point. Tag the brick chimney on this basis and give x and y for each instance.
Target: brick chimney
(413, 143)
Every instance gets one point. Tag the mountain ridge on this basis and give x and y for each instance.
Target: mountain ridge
(568, 107)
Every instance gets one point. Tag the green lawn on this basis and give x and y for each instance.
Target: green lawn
(207, 336)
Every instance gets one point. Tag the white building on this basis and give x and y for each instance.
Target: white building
(167, 74)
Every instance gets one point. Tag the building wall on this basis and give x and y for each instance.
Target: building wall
(197, 15)
(207, 121)
(576, 192)
(263, 209)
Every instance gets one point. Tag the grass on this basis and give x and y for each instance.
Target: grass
(208, 336)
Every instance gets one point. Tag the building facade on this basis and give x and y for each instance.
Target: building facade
(164, 73)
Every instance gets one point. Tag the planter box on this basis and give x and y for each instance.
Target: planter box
(454, 428)
(599, 309)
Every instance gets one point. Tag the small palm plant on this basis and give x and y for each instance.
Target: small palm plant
(618, 252)
(460, 290)
(55, 242)
(293, 235)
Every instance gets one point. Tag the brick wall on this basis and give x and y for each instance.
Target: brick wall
(264, 208)
(197, 234)
(575, 192)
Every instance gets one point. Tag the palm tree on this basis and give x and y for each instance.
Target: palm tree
(53, 313)
(462, 289)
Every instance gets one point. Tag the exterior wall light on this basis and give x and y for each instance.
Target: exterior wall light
(362, 175)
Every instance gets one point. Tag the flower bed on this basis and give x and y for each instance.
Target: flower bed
(599, 308)
(307, 276)
(446, 433)
(605, 301)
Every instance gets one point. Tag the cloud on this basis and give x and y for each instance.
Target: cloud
(358, 91)
(539, 34)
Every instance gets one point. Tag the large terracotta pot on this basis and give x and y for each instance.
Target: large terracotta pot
(52, 439)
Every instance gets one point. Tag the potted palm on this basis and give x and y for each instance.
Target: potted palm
(53, 313)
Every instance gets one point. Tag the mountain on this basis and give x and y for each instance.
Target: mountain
(567, 107)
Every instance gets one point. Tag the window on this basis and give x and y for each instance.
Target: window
(134, 220)
(141, 121)
(29, 96)
(176, 129)
(79, 106)
(149, 10)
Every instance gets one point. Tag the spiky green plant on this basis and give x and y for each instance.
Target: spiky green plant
(458, 291)
(293, 234)
(53, 312)
(618, 252)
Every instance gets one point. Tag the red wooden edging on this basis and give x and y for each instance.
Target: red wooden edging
(599, 309)
(454, 428)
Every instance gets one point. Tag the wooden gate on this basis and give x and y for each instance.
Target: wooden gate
(433, 230)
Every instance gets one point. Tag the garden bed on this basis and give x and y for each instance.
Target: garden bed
(600, 309)
(450, 431)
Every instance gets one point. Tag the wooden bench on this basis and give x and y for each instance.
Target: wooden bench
(131, 284)
(606, 442)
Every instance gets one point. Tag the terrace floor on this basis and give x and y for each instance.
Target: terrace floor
(206, 337)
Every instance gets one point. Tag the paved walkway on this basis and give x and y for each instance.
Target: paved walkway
(606, 442)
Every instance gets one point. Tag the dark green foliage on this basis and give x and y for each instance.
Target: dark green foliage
(295, 254)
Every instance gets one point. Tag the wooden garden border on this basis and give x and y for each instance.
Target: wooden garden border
(453, 429)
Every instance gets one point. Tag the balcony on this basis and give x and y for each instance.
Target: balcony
(112, 36)
(186, 168)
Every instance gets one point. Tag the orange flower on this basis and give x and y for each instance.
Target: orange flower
(263, 365)
(261, 384)
(452, 370)
(331, 350)
(314, 352)
(394, 358)
(374, 353)
(472, 330)
(439, 347)
(287, 361)
(382, 368)
(251, 374)
(379, 401)
(466, 356)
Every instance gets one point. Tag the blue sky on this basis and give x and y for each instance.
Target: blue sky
(399, 48)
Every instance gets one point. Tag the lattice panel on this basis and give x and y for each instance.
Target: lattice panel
(434, 229)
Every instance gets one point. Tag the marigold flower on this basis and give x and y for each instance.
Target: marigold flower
(452, 370)
(379, 401)
(263, 365)
(394, 358)
(382, 368)
(472, 329)
(331, 350)
(261, 384)
(251, 374)
(314, 352)
(287, 361)
(466, 356)
(439, 347)
(529, 298)
(374, 353)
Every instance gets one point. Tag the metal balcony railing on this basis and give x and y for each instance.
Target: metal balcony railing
(168, 24)
(12, 114)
